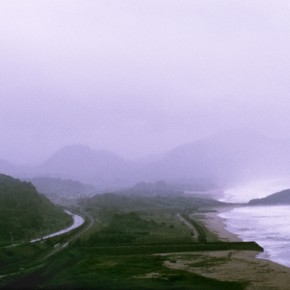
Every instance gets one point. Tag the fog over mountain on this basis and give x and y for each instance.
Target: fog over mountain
(62, 187)
(131, 79)
(223, 161)
(92, 166)
(152, 124)
(139, 77)
(228, 157)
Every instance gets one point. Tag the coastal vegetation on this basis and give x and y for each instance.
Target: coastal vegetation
(127, 248)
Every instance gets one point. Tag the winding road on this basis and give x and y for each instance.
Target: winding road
(78, 221)
(59, 247)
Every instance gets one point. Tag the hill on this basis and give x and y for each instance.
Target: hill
(228, 157)
(98, 167)
(24, 213)
(218, 161)
(57, 188)
(108, 203)
(281, 197)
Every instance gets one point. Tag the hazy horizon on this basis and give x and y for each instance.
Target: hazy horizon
(139, 77)
(151, 156)
(142, 143)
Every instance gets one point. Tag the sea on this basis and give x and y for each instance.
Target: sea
(269, 226)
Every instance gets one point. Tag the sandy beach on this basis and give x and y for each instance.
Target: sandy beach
(216, 225)
(242, 266)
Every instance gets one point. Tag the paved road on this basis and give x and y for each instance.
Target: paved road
(61, 246)
(77, 222)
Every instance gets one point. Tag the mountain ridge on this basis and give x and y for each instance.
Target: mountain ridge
(278, 198)
(228, 157)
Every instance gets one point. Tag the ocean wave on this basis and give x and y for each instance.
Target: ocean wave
(268, 226)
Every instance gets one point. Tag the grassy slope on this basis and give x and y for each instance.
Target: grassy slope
(24, 213)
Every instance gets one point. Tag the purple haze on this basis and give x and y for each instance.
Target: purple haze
(139, 77)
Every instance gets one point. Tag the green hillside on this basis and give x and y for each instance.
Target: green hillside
(24, 213)
(281, 197)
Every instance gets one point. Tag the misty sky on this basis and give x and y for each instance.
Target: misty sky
(139, 77)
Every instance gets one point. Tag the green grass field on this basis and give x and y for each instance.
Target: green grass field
(121, 251)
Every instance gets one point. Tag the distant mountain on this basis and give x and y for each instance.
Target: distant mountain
(24, 213)
(224, 158)
(282, 197)
(65, 188)
(98, 167)
(218, 161)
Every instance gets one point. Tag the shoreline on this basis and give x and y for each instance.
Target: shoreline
(215, 224)
(230, 265)
(238, 266)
